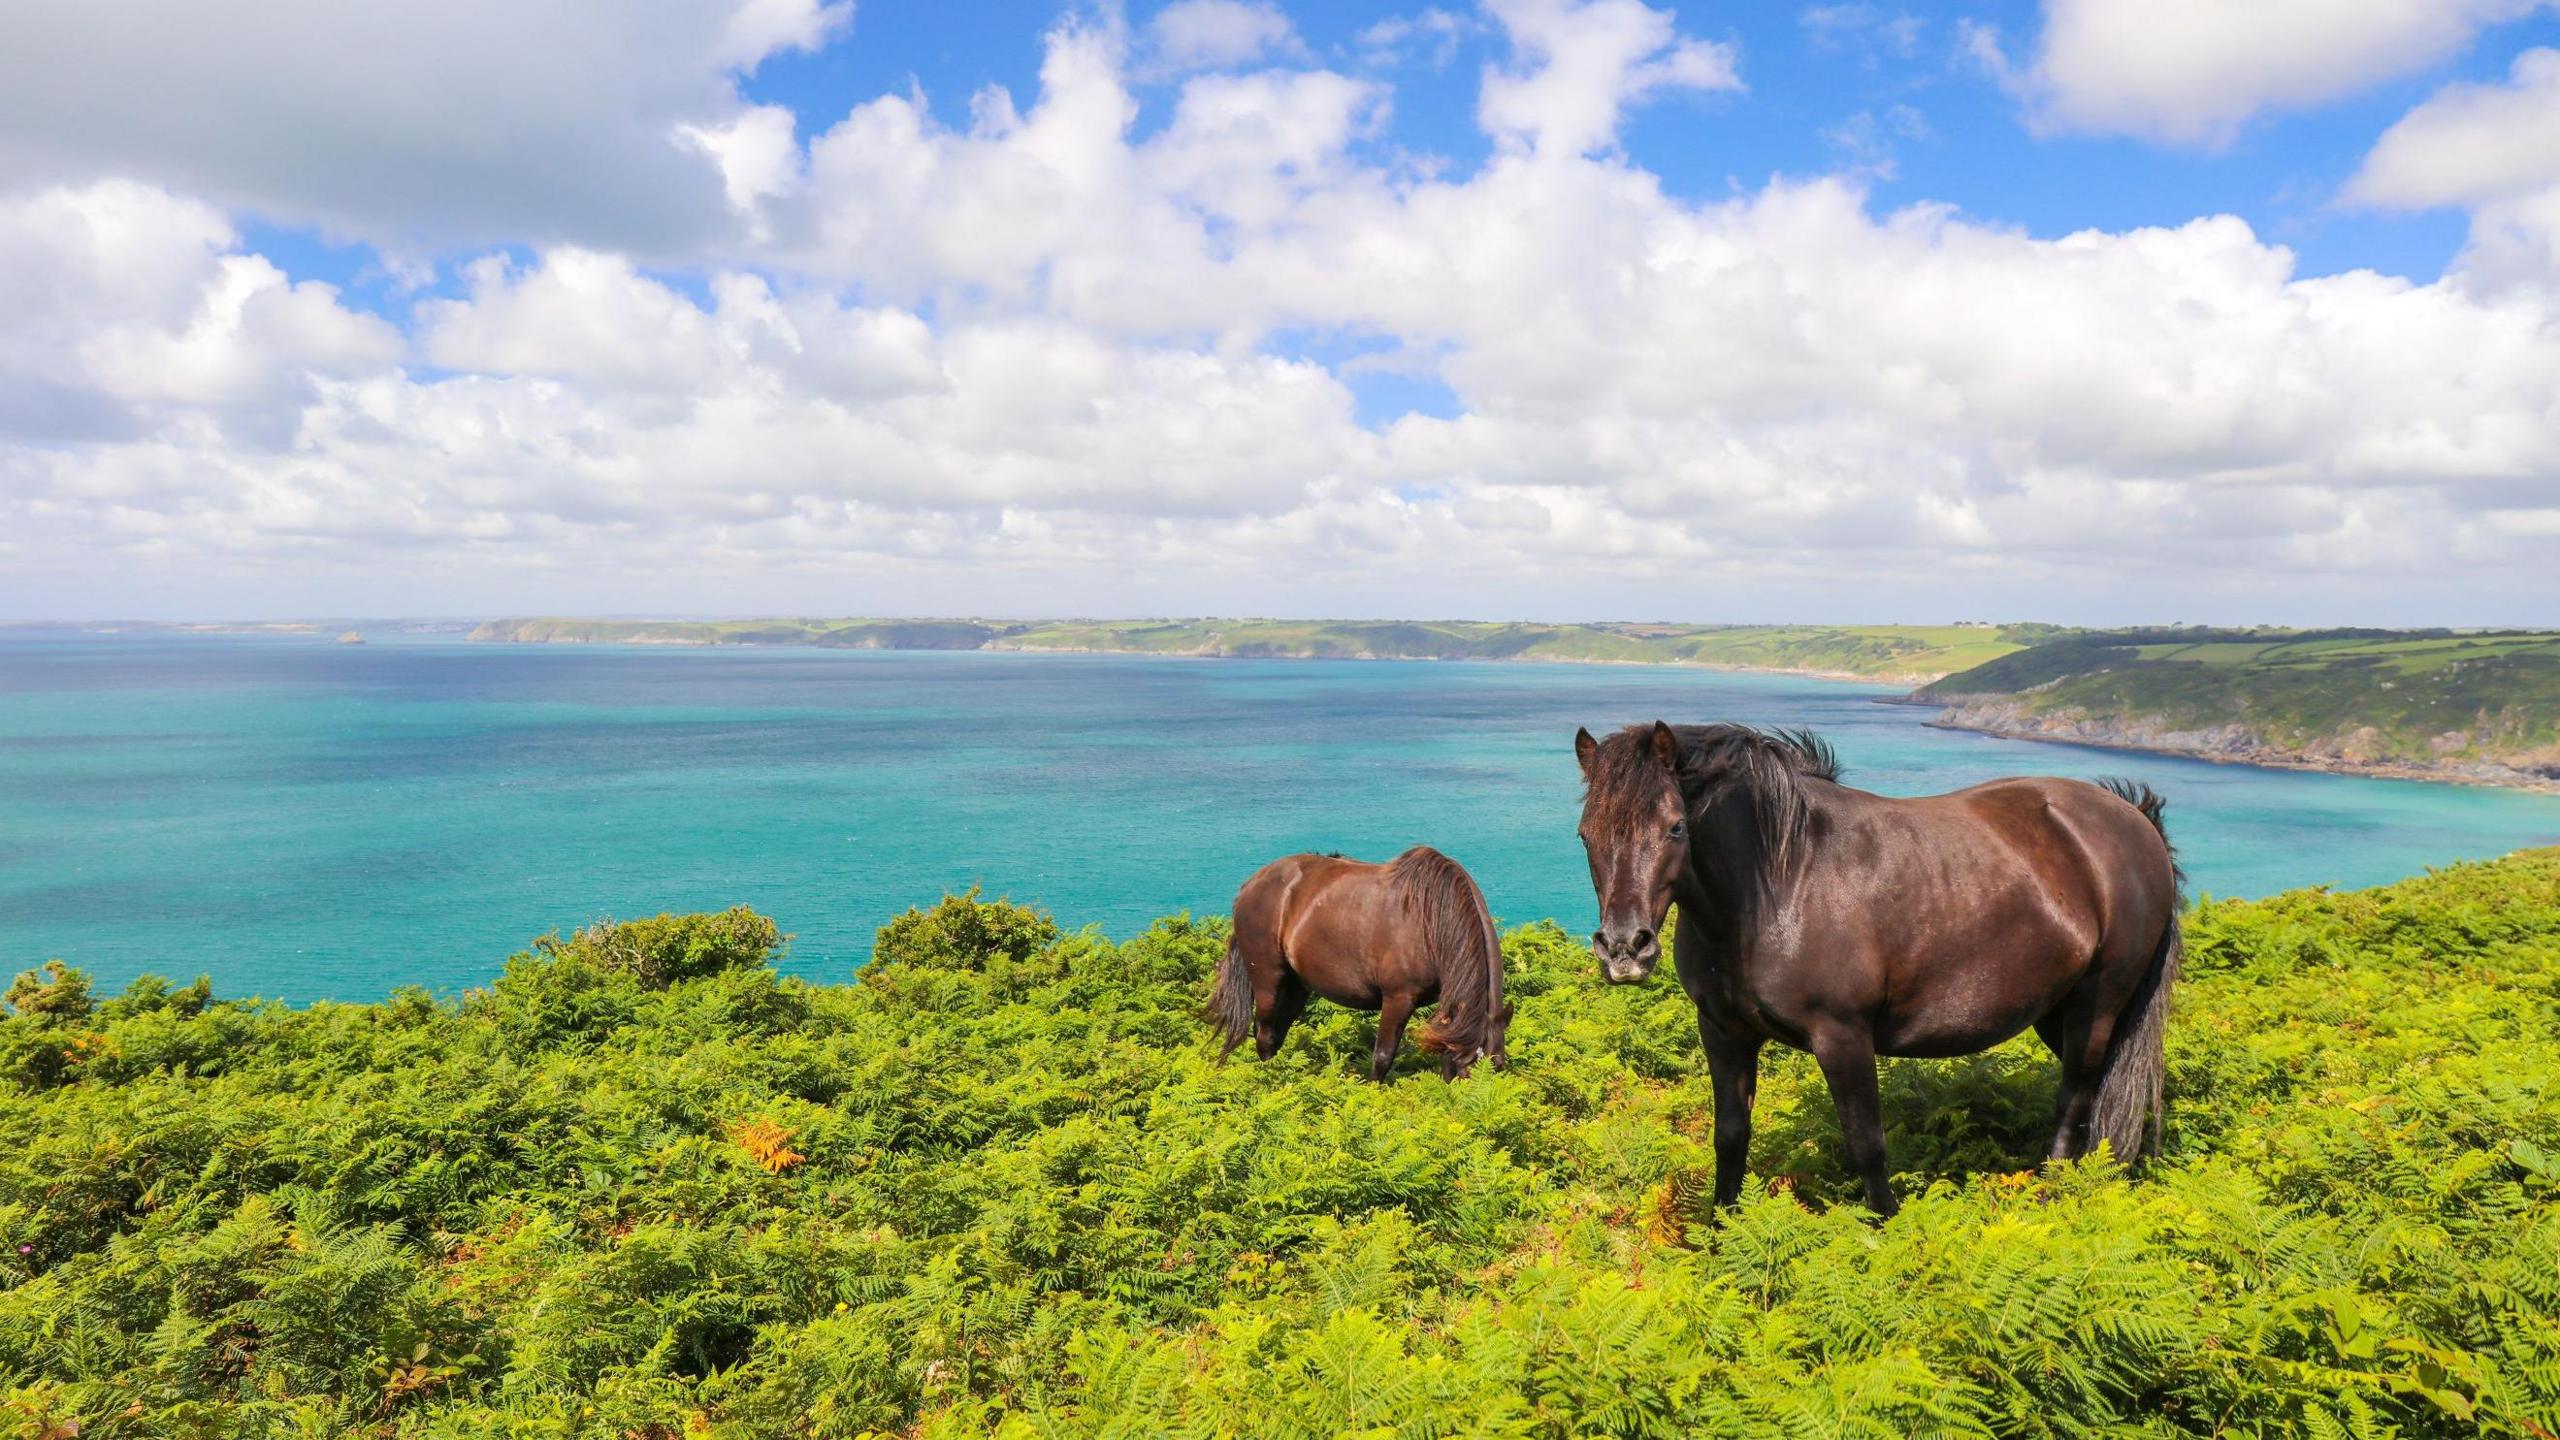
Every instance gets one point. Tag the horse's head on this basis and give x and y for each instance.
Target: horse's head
(1635, 831)
(1494, 1051)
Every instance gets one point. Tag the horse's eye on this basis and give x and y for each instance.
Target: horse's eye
(1679, 828)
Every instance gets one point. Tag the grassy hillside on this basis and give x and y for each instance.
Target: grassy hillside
(642, 1187)
(2466, 706)
(1910, 653)
(848, 634)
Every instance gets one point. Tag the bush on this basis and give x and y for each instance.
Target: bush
(664, 949)
(643, 1186)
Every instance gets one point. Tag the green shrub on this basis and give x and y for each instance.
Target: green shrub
(645, 1186)
(664, 949)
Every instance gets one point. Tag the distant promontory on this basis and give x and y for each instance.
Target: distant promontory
(1892, 654)
(2474, 707)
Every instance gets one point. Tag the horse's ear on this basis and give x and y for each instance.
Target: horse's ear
(1666, 747)
(1584, 747)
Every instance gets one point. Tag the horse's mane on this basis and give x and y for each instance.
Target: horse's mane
(1768, 766)
(1460, 932)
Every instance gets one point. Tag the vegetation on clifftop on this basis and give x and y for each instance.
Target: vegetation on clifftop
(2481, 706)
(1891, 652)
(643, 1186)
(2474, 705)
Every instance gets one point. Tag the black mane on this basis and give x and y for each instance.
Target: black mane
(1768, 766)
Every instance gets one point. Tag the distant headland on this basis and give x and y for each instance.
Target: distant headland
(1890, 654)
(2478, 707)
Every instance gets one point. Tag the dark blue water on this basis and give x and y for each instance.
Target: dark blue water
(303, 819)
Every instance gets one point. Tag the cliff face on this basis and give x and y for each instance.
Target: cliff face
(2358, 750)
(2475, 707)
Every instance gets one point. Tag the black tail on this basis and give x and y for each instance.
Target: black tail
(2155, 808)
(1459, 930)
(2132, 1094)
(1231, 1005)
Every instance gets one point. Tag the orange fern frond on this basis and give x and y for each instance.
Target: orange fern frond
(767, 1141)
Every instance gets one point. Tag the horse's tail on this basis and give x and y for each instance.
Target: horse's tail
(2131, 1094)
(1231, 1004)
(1459, 930)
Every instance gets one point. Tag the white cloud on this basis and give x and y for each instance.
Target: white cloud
(1432, 33)
(1870, 31)
(1870, 141)
(1220, 34)
(755, 29)
(758, 152)
(2471, 144)
(465, 122)
(1049, 360)
(2191, 72)
(1580, 63)
(2493, 150)
(120, 303)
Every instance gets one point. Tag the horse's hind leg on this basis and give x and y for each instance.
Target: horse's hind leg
(2080, 1044)
(1275, 1012)
(1848, 1060)
(1393, 1010)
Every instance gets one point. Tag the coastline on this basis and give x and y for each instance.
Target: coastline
(2485, 775)
(1912, 678)
(1982, 716)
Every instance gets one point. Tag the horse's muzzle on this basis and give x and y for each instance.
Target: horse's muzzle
(1628, 956)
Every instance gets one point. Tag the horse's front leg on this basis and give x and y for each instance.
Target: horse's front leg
(1733, 1056)
(1848, 1059)
(1733, 1065)
(1393, 1008)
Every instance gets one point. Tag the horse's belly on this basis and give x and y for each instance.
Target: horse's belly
(1968, 1007)
(1335, 952)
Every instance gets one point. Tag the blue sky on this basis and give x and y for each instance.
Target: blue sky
(2089, 309)
(1810, 84)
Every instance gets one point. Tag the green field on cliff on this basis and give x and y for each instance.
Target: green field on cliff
(2392, 696)
(1898, 652)
(641, 1185)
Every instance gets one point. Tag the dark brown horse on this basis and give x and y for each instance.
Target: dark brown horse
(1853, 925)
(1374, 937)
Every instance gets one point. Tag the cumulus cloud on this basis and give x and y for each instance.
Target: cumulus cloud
(463, 122)
(1220, 34)
(2192, 72)
(2471, 144)
(1579, 64)
(2493, 150)
(137, 302)
(1053, 358)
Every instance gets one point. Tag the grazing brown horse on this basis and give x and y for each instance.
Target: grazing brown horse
(1853, 925)
(1374, 937)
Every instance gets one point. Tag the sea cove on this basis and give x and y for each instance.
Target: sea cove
(307, 820)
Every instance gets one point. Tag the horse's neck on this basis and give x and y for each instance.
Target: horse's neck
(1723, 878)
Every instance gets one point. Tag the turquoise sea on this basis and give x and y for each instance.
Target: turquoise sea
(304, 820)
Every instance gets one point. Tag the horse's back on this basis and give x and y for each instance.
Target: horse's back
(2031, 808)
(1974, 910)
(2099, 868)
(2086, 820)
(1269, 895)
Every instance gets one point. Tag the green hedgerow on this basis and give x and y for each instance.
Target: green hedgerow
(644, 1186)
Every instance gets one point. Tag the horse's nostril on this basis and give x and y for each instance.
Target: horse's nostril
(1644, 940)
